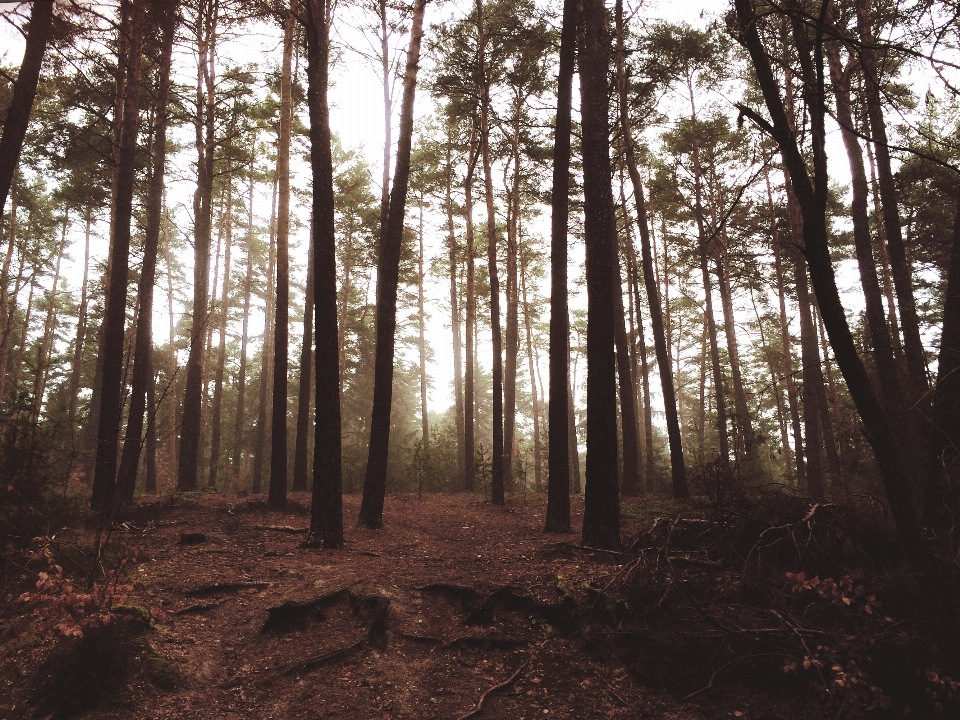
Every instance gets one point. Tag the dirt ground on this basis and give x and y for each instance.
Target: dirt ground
(453, 603)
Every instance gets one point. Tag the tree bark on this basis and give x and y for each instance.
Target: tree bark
(42, 368)
(422, 341)
(678, 470)
(455, 312)
(326, 509)
(24, 92)
(812, 195)
(278, 453)
(108, 426)
(300, 454)
(241, 419)
(535, 396)
(601, 513)
(559, 421)
(192, 423)
(266, 354)
(76, 366)
(143, 352)
(391, 238)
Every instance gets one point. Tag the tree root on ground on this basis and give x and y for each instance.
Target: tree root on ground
(224, 587)
(506, 683)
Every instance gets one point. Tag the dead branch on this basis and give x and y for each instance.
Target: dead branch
(224, 587)
(506, 683)
(282, 528)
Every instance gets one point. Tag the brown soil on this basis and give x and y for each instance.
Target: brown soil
(422, 619)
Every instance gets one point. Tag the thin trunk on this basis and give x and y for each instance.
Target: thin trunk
(172, 368)
(266, 355)
(497, 460)
(678, 470)
(240, 428)
(112, 348)
(281, 325)
(628, 406)
(512, 330)
(76, 366)
(455, 314)
(326, 515)
(884, 254)
(216, 409)
(561, 440)
(42, 368)
(192, 424)
(902, 272)
(391, 239)
(422, 341)
(6, 314)
(300, 455)
(537, 450)
(470, 324)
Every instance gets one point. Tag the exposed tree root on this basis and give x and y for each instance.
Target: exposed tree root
(321, 660)
(198, 608)
(506, 683)
(282, 617)
(283, 529)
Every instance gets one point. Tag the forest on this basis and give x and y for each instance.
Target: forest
(589, 359)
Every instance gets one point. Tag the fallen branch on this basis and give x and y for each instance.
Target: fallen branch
(506, 683)
(282, 528)
(224, 587)
(320, 660)
(198, 608)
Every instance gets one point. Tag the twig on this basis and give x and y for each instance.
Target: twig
(719, 670)
(509, 681)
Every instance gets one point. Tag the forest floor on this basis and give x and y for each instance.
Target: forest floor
(455, 609)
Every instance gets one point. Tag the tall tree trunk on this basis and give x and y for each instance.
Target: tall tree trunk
(6, 314)
(326, 510)
(470, 325)
(883, 252)
(812, 195)
(628, 405)
(21, 347)
(454, 312)
(559, 404)
(391, 238)
(902, 273)
(216, 409)
(24, 91)
(601, 511)
(300, 455)
(192, 423)
(650, 478)
(422, 341)
(142, 362)
(108, 426)
(678, 470)
(266, 355)
(240, 427)
(535, 396)
(76, 365)
(173, 369)
(496, 452)
(278, 452)
(512, 330)
(42, 369)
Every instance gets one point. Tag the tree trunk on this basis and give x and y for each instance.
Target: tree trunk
(601, 513)
(678, 470)
(24, 91)
(192, 423)
(628, 405)
(512, 330)
(42, 368)
(391, 238)
(560, 437)
(216, 410)
(241, 419)
(470, 324)
(902, 273)
(812, 196)
(76, 366)
(535, 396)
(300, 454)
(266, 355)
(6, 314)
(496, 452)
(108, 426)
(142, 362)
(278, 452)
(455, 313)
(326, 510)
(422, 342)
